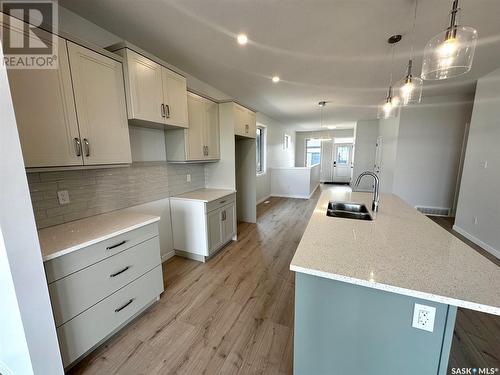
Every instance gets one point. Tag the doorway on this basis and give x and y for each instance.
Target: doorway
(336, 162)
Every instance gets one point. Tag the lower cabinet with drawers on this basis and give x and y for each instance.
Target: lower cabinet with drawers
(201, 228)
(98, 289)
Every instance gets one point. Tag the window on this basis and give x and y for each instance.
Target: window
(286, 142)
(343, 155)
(260, 144)
(313, 152)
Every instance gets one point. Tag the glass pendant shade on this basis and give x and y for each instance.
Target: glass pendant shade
(389, 108)
(409, 89)
(450, 53)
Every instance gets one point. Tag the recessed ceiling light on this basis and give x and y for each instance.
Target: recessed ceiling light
(242, 39)
(276, 79)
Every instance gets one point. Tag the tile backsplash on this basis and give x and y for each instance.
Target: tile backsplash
(96, 191)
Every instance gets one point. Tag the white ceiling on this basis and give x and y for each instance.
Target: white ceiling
(331, 50)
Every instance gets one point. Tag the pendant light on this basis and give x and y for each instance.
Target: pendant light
(410, 87)
(390, 107)
(450, 53)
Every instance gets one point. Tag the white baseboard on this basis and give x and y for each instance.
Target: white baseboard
(290, 196)
(264, 199)
(477, 241)
(167, 256)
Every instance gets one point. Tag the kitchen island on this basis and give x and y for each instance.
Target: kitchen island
(357, 284)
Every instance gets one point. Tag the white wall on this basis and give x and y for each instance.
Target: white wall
(275, 155)
(429, 148)
(480, 186)
(295, 182)
(300, 141)
(389, 131)
(366, 134)
(28, 341)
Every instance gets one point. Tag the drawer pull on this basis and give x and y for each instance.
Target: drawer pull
(119, 272)
(222, 202)
(122, 307)
(118, 244)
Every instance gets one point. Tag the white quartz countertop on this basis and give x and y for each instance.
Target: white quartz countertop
(65, 238)
(401, 251)
(204, 195)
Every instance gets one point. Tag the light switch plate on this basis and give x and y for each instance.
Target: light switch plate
(63, 196)
(423, 317)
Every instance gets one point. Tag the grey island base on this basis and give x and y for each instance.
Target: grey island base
(342, 328)
(357, 285)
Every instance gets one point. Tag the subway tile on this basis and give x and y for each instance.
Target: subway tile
(42, 186)
(48, 222)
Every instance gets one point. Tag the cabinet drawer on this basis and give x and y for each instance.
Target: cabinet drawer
(82, 333)
(64, 265)
(221, 202)
(77, 292)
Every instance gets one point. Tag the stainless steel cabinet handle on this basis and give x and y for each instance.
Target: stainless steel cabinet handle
(122, 307)
(87, 147)
(224, 215)
(116, 245)
(246, 128)
(207, 150)
(222, 202)
(78, 147)
(119, 272)
(167, 111)
(162, 110)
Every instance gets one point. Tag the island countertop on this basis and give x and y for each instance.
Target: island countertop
(401, 251)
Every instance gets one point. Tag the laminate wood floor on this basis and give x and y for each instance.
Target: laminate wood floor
(234, 314)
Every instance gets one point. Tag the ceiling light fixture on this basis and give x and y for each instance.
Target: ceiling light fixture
(242, 39)
(390, 106)
(450, 53)
(276, 79)
(410, 88)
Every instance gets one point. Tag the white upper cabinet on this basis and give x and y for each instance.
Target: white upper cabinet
(100, 106)
(212, 129)
(145, 91)
(45, 114)
(245, 122)
(199, 142)
(74, 115)
(175, 96)
(156, 96)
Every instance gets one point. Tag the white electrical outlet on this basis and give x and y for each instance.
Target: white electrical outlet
(188, 178)
(63, 196)
(475, 220)
(423, 317)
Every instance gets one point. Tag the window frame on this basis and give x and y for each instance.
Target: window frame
(305, 151)
(260, 150)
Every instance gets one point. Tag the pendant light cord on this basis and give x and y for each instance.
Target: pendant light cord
(413, 29)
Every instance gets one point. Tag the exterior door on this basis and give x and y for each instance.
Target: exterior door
(342, 162)
(100, 106)
(326, 161)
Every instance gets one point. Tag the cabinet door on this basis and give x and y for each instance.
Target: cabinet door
(212, 130)
(175, 94)
(240, 119)
(251, 124)
(215, 230)
(229, 222)
(145, 88)
(100, 106)
(45, 114)
(195, 146)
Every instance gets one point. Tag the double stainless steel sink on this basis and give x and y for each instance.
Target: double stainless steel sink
(348, 210)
